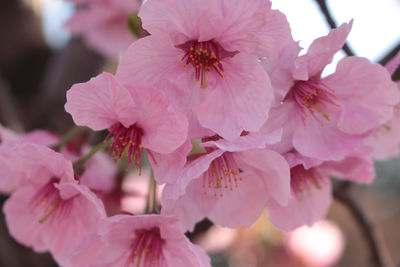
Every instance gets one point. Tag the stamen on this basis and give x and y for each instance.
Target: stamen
(147, 248)
(314, 98)
(302, 180)
(50, 203)
(204, 57)
(127, 142)
(222, 175)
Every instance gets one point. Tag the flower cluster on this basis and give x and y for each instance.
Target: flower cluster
(231, 119)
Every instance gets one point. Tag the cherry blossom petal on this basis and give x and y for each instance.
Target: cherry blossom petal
(240, 102)
(326, 143)
(321, 52)
(365, 92)
(308, 209)
(100, 102)
(271, 168)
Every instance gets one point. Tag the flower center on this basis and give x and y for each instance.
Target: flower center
(48, 200)
(204, 57)
(223, 174)
(127, 142)
(302, 180)
(147, 248)
(314, 98)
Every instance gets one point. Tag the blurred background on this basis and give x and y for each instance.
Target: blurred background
(40, 60)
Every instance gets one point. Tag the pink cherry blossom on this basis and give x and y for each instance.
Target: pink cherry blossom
(103, 24)
(49, 210)
(311, 187)
(9, 174)
(138, 119)
(328, 118)
(223, 184)
(385, 140)
(213, 45)
(142, 241)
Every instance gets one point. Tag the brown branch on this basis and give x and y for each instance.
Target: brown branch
(331, 22)
(342, 194)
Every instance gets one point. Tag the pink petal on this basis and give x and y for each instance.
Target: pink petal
(385, 140)
(151, 59)
(272, 169)
(308, 209)
(365, 92)
(238, 103)
(280, 67)
(165, 129)
(357, 167)
(87, 210)
(325, 143)
(100, 102)
(233, 208)
(321, 52)
(182, 20)
(193, 170)
(169, 166)
(17, 213)
(252, 27)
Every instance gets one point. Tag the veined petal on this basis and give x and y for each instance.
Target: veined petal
(238, 103)
(321, 52)
(100, 102)
(365, 92)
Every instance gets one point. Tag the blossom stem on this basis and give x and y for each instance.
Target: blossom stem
(155, 208)
(79, 164)
(342, 194)
(68, 136)
(147, 207)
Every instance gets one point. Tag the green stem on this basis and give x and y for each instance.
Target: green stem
(101, 146)
(148, 197)
(68, 136)
(155, 208)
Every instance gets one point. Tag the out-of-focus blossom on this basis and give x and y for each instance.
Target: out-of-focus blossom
(321, 245)
(143, 241)
(217, 239)
(104, 24)
(385, 140)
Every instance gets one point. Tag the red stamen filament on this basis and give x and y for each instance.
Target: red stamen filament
(205, 57)
(302, 181)
(127, 142)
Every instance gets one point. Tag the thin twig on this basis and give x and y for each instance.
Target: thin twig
(68, 136)
(324, 9)
(342, 194)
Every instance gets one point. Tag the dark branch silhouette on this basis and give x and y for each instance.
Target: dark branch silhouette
(343, 194)
(324, 9)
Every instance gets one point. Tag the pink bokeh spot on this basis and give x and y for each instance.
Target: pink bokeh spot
(321, 245)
